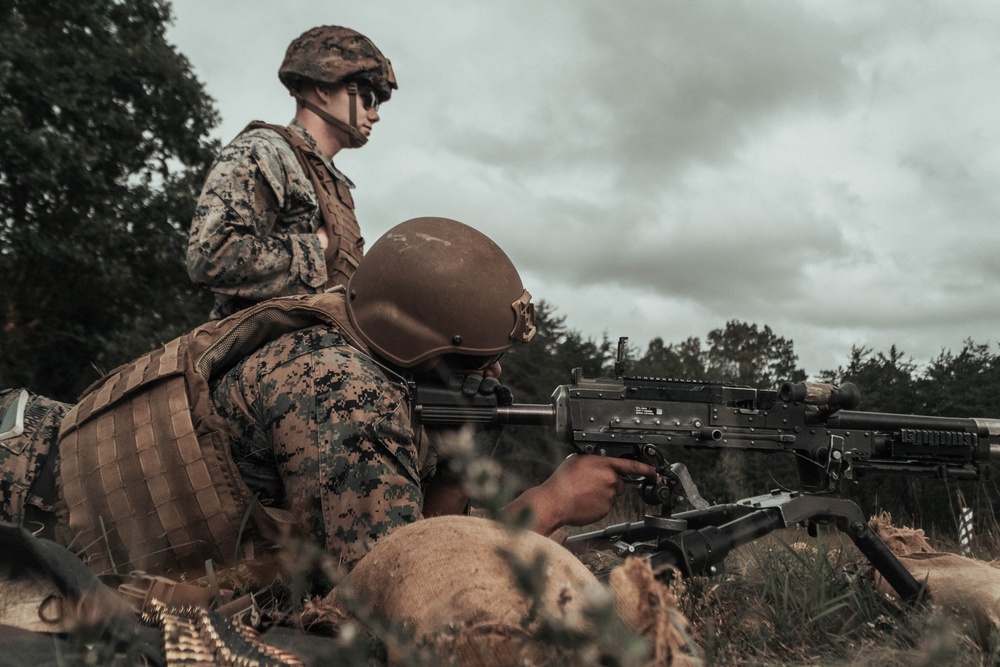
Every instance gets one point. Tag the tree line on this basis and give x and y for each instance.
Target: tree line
(103, 147)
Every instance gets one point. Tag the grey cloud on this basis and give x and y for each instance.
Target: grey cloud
(690, 80)
(653, 89)
(720, 264)
(951, 176)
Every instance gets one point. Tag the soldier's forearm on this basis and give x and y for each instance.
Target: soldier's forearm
(259, 269)
(546, 515)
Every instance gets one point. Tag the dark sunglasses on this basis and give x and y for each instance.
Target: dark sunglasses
(369, 100)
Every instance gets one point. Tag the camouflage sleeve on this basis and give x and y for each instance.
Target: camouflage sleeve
(336, 433)
(240, 243)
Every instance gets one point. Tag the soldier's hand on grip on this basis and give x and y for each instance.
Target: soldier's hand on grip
(584, 488)
(473, 384)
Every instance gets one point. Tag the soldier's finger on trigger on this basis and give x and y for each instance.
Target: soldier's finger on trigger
(630, 467)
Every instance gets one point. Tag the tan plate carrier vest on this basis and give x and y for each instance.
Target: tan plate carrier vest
(336, 205)
(146, 470)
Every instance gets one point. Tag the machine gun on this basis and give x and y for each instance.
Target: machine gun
(657, 420)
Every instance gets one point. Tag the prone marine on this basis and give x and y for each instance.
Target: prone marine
(292, 418)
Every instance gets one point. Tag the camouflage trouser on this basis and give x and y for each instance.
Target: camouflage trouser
(29, 427)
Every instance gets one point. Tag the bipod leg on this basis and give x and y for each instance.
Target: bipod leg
(885, 562)
(796, 508)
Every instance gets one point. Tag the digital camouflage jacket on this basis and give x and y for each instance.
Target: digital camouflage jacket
(253, 235)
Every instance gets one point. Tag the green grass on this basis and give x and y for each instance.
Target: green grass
(786, 601)
(790, 599)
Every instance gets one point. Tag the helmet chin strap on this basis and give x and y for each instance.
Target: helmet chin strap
(354, 134)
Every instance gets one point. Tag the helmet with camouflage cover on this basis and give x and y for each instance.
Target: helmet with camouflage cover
(434, 286)
(330, 54)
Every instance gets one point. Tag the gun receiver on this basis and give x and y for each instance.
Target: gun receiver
(657, 420)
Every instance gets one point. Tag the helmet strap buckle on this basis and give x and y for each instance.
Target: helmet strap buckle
(352, 113)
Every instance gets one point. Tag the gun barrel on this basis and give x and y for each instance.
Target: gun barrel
(525, 414)
(883, 421)
(979, 437)
(990, 429)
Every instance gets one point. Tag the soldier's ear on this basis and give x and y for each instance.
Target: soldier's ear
(325, 92)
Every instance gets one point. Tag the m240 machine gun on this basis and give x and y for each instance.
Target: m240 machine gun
(658, 420)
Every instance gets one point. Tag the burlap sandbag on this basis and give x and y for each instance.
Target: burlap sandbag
(966, 586)
(452, 583)
(650, 610)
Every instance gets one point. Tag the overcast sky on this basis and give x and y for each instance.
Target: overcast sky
(657, 168)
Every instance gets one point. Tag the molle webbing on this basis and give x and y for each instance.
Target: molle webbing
(146, 469)
(145, 491)
(346, 245)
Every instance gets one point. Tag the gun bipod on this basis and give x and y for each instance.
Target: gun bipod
(711, 534)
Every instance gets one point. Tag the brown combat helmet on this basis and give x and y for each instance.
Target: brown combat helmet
(330, 54)
(434, 286)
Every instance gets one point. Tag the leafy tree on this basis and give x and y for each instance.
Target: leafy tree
(102, 150)
(683, 361)
(742, 354)
(739, 353)
(966, 384)
(887, 381)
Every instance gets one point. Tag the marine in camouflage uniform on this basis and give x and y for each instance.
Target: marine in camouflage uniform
(275, 219)
(323, 430)
(253, 236)
(306, 399)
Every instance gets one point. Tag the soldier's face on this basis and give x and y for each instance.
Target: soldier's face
(365, 102)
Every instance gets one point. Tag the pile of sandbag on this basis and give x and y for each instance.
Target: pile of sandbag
(460, 590)
(482, 594)
(966, 586)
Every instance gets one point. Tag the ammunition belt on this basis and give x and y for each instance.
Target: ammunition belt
(197, 637)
